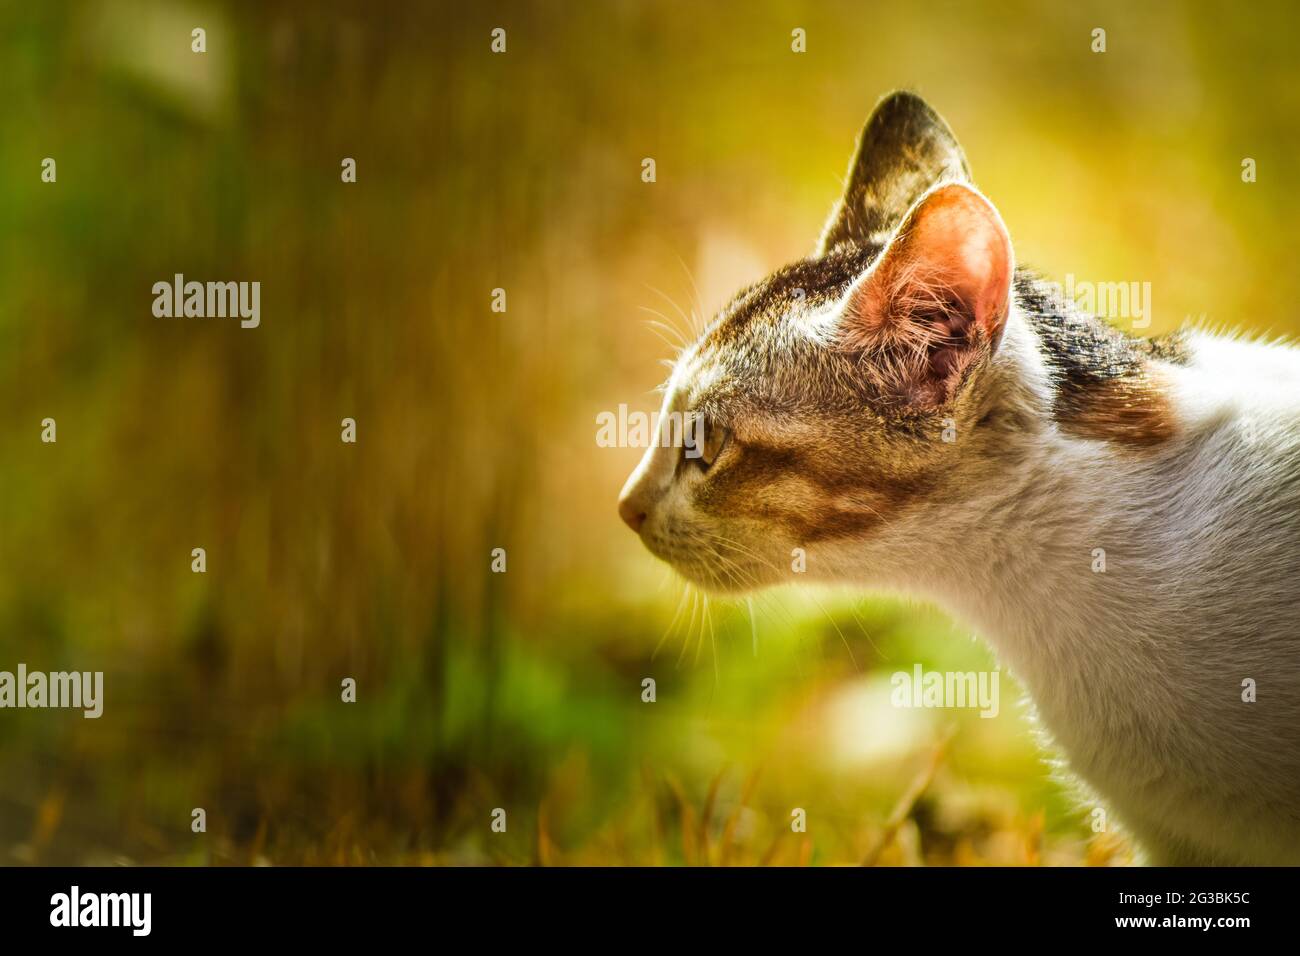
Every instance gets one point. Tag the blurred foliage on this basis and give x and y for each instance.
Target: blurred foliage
(476, 430)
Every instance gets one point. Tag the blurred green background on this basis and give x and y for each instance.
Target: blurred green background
(476, 430)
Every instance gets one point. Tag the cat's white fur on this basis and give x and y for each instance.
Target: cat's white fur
(1137, 671)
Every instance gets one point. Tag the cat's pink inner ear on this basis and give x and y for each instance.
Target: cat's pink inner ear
(945, 275)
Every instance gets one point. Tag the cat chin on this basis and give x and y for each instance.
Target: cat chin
(717, 582)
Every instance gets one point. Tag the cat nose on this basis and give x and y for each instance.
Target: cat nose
(630, 510)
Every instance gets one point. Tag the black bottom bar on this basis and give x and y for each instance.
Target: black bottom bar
(330, 906)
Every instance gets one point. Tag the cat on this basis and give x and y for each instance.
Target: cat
(1118, 517)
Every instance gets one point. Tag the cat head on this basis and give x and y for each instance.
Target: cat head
(827, 394)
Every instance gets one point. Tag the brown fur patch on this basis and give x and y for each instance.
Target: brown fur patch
(1109, 386)
(814, 494)
(1131, 410)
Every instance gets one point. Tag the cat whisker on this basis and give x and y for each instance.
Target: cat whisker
(689, 332)
(681, 604)
(686, 640)
(705, 620)
(693, 322)
(663, 324)
(753, 624)
(727, 542)
(658, 329)
(695, 290)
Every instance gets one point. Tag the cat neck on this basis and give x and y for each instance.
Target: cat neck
(1050, 540)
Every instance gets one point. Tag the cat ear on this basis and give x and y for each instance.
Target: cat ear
(937, 299)
(904, 150)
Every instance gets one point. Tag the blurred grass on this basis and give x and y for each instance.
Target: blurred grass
(476, 430)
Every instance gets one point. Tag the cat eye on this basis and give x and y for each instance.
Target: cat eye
(712, 440)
